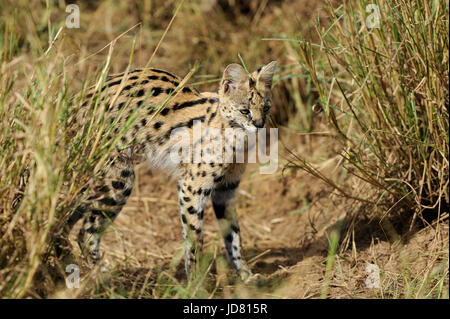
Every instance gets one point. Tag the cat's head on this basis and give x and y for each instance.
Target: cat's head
(246, 99)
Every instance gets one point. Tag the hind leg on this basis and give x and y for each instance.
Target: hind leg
(61, 238)
(95, 223)
(111, 195)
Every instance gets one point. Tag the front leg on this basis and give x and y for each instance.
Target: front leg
(224, 203)
(192, 196)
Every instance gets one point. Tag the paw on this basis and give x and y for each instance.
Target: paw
(255, 279)
(104, 268)
(245, 274)
(97, 264)
(105, 274)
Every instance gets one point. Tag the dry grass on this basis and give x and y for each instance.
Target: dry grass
(367, 110)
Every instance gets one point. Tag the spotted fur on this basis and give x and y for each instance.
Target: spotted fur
(161, 106)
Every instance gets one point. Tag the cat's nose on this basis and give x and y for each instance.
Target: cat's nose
(258, 123)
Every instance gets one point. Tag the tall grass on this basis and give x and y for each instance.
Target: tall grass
(385, 92)
(61, 159)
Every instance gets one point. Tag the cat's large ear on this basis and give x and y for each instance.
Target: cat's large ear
(232, 76)
(265, 76)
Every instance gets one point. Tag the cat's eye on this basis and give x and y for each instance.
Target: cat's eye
(266, 108)
(244, 111)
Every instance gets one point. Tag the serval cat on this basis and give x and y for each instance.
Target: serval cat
(243, 101)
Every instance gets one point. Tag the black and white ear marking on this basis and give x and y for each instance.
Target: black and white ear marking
(232, 75)
(266, 74)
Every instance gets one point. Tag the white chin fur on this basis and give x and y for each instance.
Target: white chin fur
(251, 129)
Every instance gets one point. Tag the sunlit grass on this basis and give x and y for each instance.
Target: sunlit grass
(385, 92)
